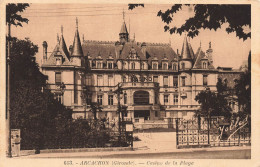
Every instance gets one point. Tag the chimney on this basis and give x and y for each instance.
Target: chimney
(45, 46)
(143, 49)
(209, 52)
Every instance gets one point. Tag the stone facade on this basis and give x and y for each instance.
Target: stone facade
(156, 81)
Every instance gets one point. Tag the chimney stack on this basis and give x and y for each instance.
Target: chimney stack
(45, 46)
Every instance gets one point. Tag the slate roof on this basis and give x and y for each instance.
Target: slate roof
(77, 49)
(102, 48)
(160, 51)
(131, 46)
(123, 29)
(51, 61)
(199, 56)
(186, 52)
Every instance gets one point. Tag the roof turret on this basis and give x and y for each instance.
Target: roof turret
(186, 52)
(77, 49)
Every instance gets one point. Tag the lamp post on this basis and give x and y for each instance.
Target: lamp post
(118, 92)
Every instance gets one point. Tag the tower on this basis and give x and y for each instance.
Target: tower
(77, 52)
(123, 35)
(186, 55)
(63, 45)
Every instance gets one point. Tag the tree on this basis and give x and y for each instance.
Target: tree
(243, 91)
(210, 16)
(214, 103)
(12, 16)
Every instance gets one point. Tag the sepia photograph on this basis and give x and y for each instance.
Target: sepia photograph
(136, 84)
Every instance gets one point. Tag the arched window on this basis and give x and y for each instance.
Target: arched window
(133, 66)
(174, 67)
(204, 65)
(141, 97)
(154, 66)
(165, 66)
(183, 66)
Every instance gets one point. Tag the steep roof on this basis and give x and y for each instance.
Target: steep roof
(123, 29)
(160, 51)
(57, 51)
(199, 56)
(131, 46)
(102, 48)
(63, 46)
(77, 49)
(186, 52)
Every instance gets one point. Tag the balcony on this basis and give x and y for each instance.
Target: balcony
(143, 85)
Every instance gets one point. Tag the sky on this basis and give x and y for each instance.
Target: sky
(103, 22)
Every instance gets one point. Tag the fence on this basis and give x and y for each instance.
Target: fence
(199, 133)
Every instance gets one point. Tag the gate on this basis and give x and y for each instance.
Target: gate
(213, 132)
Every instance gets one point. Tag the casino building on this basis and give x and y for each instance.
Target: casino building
(156, 81)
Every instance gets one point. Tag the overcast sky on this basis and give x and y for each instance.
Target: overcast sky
(103, 22)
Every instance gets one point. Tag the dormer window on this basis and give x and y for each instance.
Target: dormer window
(174, 67)
(58, 61)
(133, 66)
(99, 64)
(165, 66)
(204, 65)
(110, 65)
(155, 66)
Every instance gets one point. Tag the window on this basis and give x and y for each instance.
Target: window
(110, 80)
(110, 65)
(165, 81)
(204, 65)
(125, 98)
(155, 66)
(99, 99)
(175, 99)
(174, 67)
(165, 66)
(99, 80)
(88, 80)
(175, 81)
(58, 77)
(183, 81)
(183, 66)
(110, 100)
(58, 61)
(184, 113)
(133, 66)
(99, 65)
(205, 80)
(89, 98)
(166, 99)
(142, 65)
(141, 97)
(155, 79)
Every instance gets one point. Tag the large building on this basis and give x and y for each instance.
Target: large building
(156, 81)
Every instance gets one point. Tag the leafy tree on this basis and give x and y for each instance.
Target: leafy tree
(12, 16)
(210, 16)
(243, 91)
(214, 103)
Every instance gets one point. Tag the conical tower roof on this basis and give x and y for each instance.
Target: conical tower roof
(77, 48)
(63, 46)
(186, 52)
(123, 29)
